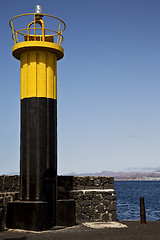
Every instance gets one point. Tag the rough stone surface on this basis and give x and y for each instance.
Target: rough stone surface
(67, 183)
(9, 191)
(9, 183)
(4, 199)
(94, 197)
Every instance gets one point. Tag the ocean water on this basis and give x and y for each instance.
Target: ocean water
(128, 199)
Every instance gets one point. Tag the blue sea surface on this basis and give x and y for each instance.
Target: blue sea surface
(128, 199)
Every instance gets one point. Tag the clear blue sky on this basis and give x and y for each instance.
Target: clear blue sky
(108, 85)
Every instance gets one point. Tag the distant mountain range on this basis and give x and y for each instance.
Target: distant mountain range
(126, 175)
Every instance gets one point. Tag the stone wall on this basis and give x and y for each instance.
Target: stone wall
(9, 183)
(94, 196)
(4, 199)
(9, 191)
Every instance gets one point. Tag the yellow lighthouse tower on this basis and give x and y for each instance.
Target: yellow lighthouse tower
(38, 47)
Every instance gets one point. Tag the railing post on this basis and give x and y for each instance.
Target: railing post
(34, 28)
(59, 32)
(13, 33)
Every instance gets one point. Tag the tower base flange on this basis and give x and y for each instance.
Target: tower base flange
(28, 215)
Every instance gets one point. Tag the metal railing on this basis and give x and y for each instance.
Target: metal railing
(53, 36)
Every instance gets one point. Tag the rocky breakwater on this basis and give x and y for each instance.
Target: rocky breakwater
(94, 197)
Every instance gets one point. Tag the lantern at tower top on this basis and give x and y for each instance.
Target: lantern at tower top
(38, 9)
(30, 30)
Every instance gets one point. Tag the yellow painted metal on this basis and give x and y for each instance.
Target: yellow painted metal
(36, 16)
(13, 32)
(59, 32)
(60, 38)
(17, 37)
(20, 47)
(38, 74)
(34, 28)
(39, 21)
(38, 55)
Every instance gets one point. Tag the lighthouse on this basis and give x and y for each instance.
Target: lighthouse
(38, 48)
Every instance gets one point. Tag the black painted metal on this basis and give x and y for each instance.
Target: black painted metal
(39, 151)
(66, 212)
(31, 215)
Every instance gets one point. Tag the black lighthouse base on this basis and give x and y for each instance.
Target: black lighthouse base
(29, 215)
